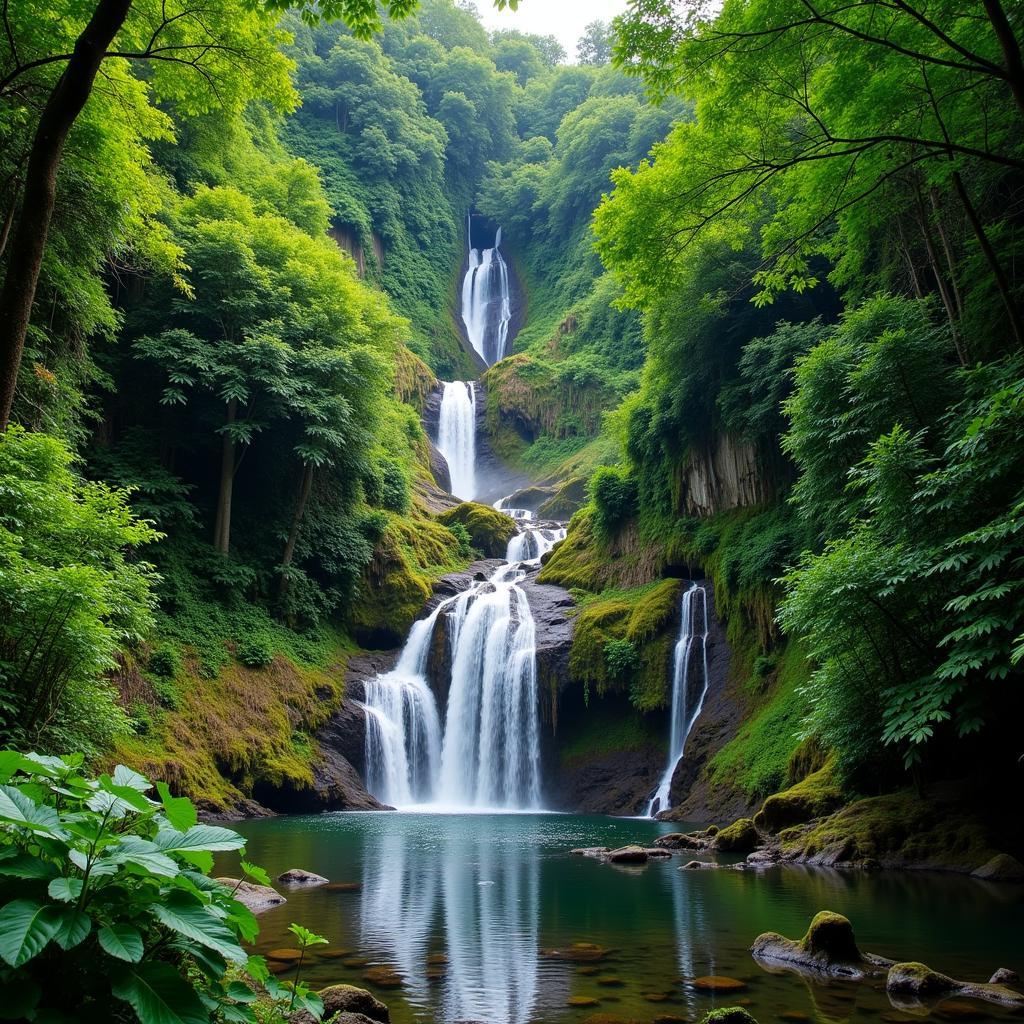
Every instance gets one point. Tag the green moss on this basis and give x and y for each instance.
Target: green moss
(645, 617)
(756, 760)
(813, 797)
(583, 562)
(728, 1015)
(739, 837)
(489, 529)
(246, 727)
(898, 828)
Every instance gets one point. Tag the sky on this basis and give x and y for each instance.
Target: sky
(564, 19)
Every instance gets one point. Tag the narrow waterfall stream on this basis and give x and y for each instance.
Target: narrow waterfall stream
(456, 436)
(486, 301)
(691, 646)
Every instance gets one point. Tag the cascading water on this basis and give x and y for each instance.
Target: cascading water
(691, 646)
(486, 303)
(488, 753)
(456, 436)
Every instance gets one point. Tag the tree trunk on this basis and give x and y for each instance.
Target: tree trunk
(1012, 312)
(62, 108)
(1010, 47)
(222, 526)
(305, 486)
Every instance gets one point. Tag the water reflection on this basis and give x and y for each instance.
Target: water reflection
(467, 894)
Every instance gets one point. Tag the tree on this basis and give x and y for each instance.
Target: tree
(594, 47)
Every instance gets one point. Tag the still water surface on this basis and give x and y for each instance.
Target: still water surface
(463, 908)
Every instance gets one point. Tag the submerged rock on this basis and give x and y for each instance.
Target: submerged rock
(718, 983)
(728, 1015)
(578, 952)
(301, 877)
(256, 898)
(828, 948)
(628, 855)
(1004, 976)
(1001, 868)
(582, 1001)
(920, 983)
(383, 977)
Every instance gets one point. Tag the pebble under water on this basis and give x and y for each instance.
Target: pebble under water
(471, 917)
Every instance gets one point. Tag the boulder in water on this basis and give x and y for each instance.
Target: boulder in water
(728, 1015)
(383, 977)
(256, 898)
(1004, 976)
(347, 1000)
(1001, 868)
(828, 948)
(628, 855)
(301, 877)
(740, 837)
(921, 983)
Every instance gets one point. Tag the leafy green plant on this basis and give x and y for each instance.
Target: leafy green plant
(615, 500)
(108, 890)
(163, 661)
(254, 651)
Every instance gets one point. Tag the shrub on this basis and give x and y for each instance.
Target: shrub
(622, 661)
(254, 651)
(163, 661)
(614, 494)
(386, 487)
(462, 537)
(108, 890)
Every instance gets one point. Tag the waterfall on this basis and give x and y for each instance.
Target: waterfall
(488, 754)
(694, 617)
(486, 305)
(531, 545)
(456, 436)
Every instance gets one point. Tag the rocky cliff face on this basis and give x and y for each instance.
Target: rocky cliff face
(727, 474)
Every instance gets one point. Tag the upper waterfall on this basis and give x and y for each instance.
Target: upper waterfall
(486, 302)
(456, 436)
(691, 645)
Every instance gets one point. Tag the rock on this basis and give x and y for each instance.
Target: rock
(1001, 868)
(437, 958)
(764, 858)
(1004, 976)
(582, 1001)
(383, 977)
(334, 954)
(657, 997)
(301, 877)
(740, 837)
(343, 887)
(628, 855)
(813, 797)
(682, 841)
(922, 983)
(287, 955)
(718, 983)
(828, 948)
(351, 1002)
(257, 898)
(610, 981)
(728, 1015)
(578, 952)
(698, 865)
(596, 852)
(794, 1015)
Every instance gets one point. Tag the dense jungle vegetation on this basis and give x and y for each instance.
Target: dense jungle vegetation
(770, 253)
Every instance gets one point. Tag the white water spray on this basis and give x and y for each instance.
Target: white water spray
(486, 304)
(694, 618)
(456, 436)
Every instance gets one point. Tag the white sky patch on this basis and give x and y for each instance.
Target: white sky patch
(564, 19)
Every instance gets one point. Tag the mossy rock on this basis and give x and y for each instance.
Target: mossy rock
(898, 829)
(739, 837)
(728, 1015)
(488, 529)
(917, 981)
(814, 797)
(831, 935)
(828, 947)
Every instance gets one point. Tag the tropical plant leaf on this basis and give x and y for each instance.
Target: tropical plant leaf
(26, 926)
(179, 810)
(159, 995)
(182, 914)
(122, 941)
(73, 928)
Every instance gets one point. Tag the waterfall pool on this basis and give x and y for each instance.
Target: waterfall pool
(463, 910)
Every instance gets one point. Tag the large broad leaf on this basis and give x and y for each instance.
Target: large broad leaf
(124, 776)
(26, 926)
(159, 995)
(67, 890)
(20, 809)
(122, 941)
(180, 811)
(204, 838)
(181, 913)
(73, 927)
(24, 865)
(141, 853)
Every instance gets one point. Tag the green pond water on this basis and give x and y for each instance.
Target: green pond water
(493, 892)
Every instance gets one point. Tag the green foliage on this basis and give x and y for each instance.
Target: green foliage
(254, 651)
(614, 494)
(489, 530)
(72, 596)
(164, 661)
(108, 888)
